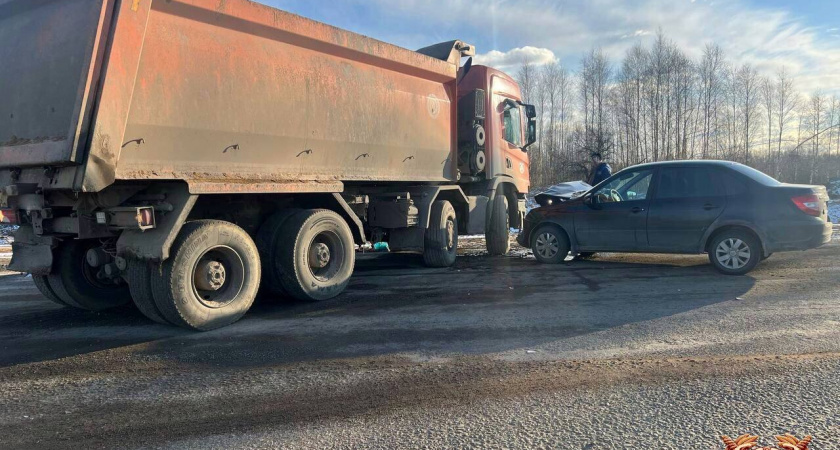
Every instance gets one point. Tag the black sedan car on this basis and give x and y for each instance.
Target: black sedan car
(736, 214)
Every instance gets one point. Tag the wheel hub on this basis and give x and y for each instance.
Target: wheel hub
(210, 276)
(319, 255)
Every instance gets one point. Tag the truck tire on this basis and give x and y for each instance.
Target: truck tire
(440, 246)
(43, 285)
(211, 277)
(138, 274)
(735, 252)
(75, 282)
(315, 255)
(267, 237)
(497, 234)
(549, 244)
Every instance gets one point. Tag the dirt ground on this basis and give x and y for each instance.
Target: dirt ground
(642, 351)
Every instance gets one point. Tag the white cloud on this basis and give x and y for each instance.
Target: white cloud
(767, 37)
(516, 57)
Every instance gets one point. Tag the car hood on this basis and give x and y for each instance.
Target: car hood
(562, 192)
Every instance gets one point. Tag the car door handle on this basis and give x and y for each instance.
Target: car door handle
(637, 210)
(709, 207)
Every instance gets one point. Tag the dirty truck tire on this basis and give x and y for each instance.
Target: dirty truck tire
(441, 239)
(138, 274)
(497, 234)
(735, 252)
(316, 255)
(211, 277)
(42, 283)
(549, 244)
(268, 236)
(75, 282)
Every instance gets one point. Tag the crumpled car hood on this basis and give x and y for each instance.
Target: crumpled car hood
(562, 192)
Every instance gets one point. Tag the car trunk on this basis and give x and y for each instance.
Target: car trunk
(790, 191)
(49, 53)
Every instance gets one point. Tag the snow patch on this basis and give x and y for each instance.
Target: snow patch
(834, 210)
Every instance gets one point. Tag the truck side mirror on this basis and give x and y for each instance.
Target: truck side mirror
(531, 115)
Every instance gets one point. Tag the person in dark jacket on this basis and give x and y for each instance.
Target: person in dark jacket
(600, 169)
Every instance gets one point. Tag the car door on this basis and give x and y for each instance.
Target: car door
(687, 201)
(614, 215)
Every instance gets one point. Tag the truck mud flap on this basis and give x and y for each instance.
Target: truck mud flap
(31, 253)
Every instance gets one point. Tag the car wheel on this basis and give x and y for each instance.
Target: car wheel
(735, 252)
(550, 244)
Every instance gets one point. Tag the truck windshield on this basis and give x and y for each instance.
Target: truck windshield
(512, 122)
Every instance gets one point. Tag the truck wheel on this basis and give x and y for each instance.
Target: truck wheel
(43, 285)
(498, 227)
(138, 274)
(211, 277)
(441, 241)
(76, 283)
(316, 253)
(735, 252)
(549, 244)
(267, 237)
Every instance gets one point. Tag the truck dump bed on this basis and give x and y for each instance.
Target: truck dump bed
(225, 95)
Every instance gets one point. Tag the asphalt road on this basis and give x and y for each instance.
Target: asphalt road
(641, 351)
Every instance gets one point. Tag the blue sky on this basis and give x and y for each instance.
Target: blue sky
(803, 36)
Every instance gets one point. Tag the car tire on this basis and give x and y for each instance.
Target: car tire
(43, 285)
(316, 254)
(267, 238)
(497, 234)
(75, 282)
(211, 277)
(440, 246)
(138, 275)
(549, 244)
(735, 252)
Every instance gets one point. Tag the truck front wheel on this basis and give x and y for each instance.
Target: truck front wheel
(211, 277)
(76, 283)
(498, 227)
(441, 240)
(315, 255)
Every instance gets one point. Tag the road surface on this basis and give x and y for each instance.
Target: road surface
(644, 351)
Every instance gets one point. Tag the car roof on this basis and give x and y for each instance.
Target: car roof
(704, 162)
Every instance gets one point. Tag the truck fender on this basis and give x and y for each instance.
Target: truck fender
(424, 196)
(154, 244)
(348, 214)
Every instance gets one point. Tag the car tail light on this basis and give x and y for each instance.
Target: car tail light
(809, 204)
(9, 216)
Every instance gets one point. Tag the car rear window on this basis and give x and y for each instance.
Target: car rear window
(755, 175)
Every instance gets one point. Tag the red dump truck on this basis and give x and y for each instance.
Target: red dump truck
(182, 154)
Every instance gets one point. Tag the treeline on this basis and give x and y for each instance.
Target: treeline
(658, 104)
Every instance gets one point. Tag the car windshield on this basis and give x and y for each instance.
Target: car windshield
(756, 175)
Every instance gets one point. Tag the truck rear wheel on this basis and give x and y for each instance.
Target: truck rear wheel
(76, 283)
(498, 227)
(138, 274)
(315, 255)
(441, 240)
(268, 236)
(43, 285)
(211, 277)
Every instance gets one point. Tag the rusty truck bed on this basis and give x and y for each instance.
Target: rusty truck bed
(231, 94)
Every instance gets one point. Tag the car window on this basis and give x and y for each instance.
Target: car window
(626, 186)
(512, 122)
(688, 182)
(755, 175)
(734, 184)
